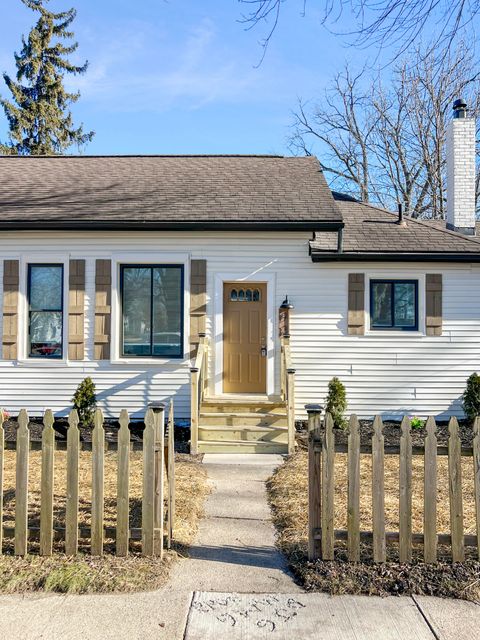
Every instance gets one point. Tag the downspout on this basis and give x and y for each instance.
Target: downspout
(340, 240)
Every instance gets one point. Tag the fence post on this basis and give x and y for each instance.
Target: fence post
(194, 410)
(2, 445)
(148, 495)
(123, 471)
(476, 475)
(46, 490)
(291, 410)
(378, 491)
(158, 409)
(405, 496)
(328, 489)
(98, 478)
(455, 484)
(21, 486)
(353, 514)
(171, 474)
(314, 481)
(71, 515)
(430, 493)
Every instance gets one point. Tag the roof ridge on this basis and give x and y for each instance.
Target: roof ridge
(423, 223)
(153, 155)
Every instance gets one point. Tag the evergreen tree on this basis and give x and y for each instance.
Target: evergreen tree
(40, 122)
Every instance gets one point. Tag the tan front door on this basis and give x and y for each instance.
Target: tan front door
(244, 337)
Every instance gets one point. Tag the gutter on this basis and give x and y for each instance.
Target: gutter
(395, 257)
(252, 225)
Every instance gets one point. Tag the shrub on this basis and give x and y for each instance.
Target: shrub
(84, 401)
(417, 423)
(471, 397)
(336, 402)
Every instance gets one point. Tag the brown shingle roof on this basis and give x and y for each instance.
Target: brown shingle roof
(94, 190)
(371, 230)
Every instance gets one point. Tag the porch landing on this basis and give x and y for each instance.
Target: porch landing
(243, 424)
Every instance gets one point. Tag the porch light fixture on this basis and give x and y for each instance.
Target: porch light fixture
(286, 304)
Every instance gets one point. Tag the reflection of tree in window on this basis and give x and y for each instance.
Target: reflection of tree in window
(45, 298)
(241, 295)
(234, 295)
(256, 295)
(382, 301)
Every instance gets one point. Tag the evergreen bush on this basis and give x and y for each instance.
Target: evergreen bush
(84, 401)
(336, 402)
(471, 397)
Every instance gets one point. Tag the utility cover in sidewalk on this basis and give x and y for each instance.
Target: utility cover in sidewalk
(307, 616)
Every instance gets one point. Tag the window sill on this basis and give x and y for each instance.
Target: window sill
(42, 362)
(394, 334)
(153, 362)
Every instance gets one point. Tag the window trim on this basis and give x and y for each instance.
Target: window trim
(151, 266)
(62, 310)
(393, 281)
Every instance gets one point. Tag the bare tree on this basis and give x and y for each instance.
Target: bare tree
(384, 141)
(398, 22)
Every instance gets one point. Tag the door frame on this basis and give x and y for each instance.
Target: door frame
(270, 280)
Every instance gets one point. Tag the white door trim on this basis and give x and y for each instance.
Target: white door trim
(270, 280)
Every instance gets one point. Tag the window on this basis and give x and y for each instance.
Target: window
(152, 310)
(45, 310)
(245, 296)
(394, 304)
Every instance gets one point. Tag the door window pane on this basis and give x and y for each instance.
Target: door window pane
(152, 307)
(45, 298)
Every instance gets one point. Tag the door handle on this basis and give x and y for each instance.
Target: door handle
(263, 352)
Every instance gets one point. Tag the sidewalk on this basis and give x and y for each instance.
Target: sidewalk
(235, 554)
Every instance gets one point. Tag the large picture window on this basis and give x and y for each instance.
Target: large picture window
(45, 310)
(152, 310)
(394, 304)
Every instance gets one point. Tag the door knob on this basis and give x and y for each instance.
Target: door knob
(263, 352)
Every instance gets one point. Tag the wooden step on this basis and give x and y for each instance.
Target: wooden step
(243, 419)
(248, 434)
(238, 406)
(235, 446)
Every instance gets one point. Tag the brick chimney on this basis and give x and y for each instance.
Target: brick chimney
(461, 170)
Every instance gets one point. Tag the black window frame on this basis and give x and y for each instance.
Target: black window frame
(393, 326)
(152, 266)
(32, 265)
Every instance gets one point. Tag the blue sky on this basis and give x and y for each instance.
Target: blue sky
(180, 76)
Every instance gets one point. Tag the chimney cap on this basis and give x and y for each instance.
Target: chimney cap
(460, 108)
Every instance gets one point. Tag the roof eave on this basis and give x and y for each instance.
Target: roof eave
(319, 256)
(115, 225)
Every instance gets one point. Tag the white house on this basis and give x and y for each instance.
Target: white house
(111, 267)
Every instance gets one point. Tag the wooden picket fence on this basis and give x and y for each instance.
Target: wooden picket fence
(158, 458)
(321, 483)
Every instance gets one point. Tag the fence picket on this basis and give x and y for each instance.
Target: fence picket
(46, 490)
(476, 475)
(148, 497)
(353, 513)
(378, 491)
(2, 464)
(455, 490)
(171, 474)
(328, 489)
(430, 492)
(405, 493)
(98, 478)
(21, 484)
(71, 516)
(123, 473)
(314, 481)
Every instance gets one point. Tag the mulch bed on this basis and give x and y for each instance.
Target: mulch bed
(391, 433)
(182, 434)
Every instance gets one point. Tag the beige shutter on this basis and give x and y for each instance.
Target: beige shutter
(76, 310)
(433, 304)
(11, 269)
(356, 304)
(103, 301)
(198, 302)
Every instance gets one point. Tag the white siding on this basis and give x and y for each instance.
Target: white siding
(383, 373)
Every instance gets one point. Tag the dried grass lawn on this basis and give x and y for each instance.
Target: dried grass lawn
(288, 496)
(85, 574)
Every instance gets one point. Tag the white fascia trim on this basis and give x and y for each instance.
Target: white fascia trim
(148, 257)
(220, 278)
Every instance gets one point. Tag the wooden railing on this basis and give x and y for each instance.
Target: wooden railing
(198, 387)
(287, 376)
(321, 483)
(155, 455)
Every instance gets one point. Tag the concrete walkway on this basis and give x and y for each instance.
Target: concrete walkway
(234, 554)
